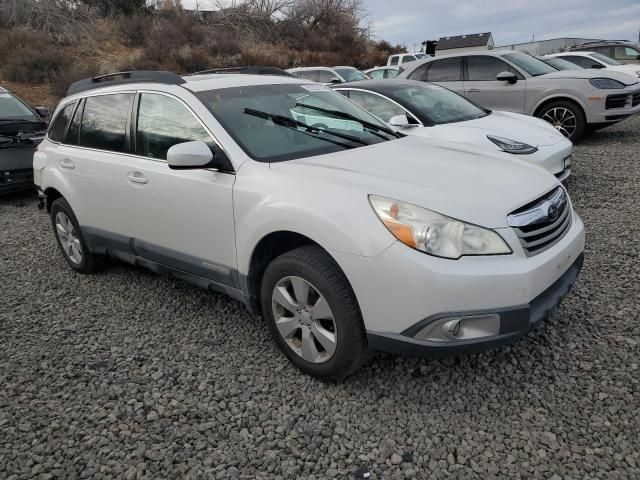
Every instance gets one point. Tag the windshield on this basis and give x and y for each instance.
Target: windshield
(562, 64)
(604, 59)
(420, 56)
(11, 107)
(274, 123)
(435, 105)
(351, 74)
(529, 64)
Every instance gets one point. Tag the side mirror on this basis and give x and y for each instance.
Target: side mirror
(507, 77)
(335, 81)
(43, 112)
(399, 121)
(194, 155)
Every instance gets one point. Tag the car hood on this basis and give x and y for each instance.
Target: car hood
(465, 182)
(628, 69)
(589, 74)
(513, 126)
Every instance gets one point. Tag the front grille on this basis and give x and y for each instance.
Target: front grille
(619, 100)
(542, 223)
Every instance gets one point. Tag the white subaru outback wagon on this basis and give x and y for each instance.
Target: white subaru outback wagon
(345, 236)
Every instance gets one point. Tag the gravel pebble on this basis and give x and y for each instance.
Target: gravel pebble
(126, 374)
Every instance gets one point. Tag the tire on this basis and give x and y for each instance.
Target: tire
(63, 219)
(553, 113)
(302, 331)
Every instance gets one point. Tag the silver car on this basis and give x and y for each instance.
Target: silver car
(572, 101)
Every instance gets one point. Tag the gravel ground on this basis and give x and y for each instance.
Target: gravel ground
(126, 374)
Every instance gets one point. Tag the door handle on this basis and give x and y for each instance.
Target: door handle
(67, 164)
(473, 90)
(137, 177)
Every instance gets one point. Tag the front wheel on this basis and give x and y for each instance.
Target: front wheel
(567, 117)
(312, 314)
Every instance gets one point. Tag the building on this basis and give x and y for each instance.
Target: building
(464, 43)
(545, 47)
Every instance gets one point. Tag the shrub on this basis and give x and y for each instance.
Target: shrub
(36, 65)
(72, 73)
(134, 29)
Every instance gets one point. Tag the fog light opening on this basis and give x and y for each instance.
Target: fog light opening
(455, 329)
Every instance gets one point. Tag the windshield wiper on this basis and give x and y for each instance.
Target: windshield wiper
(293, 123)
(347, 116)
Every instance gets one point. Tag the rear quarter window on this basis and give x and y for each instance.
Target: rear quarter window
(59, 124)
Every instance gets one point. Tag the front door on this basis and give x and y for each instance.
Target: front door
(184, 218)
(482, 87)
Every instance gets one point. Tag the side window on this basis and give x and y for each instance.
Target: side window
(309, 75)
(485, 68)
(408, 58)
(626, 53)
(394, 60)
(604, 50)
(73, 132)
(584, 62)
(377, 74)
(104, 122)
(391, 73)
(420, 73)
(325, 76)
(446, 70)
(59, 124)
(379, 106)
(164, 122)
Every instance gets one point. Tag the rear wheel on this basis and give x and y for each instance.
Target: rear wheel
(312, 314)
(70, 239)
(566, 116)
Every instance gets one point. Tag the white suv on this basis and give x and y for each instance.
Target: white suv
(342, 234)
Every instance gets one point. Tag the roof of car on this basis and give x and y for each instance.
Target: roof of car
(197, 83)
(463, 41)
(378, 85)
(580, 53)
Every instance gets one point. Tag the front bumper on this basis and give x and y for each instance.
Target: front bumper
(607, 110)
(555, 158)
(515, 322)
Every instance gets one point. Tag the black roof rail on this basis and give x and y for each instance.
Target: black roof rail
(119, 78)
(252, 70)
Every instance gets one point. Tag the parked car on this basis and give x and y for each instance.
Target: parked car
(383, 72)
(402, 58)
(572, 101)
(559, 63)
(344, 240)
(21, 129)
(329, 75)
(431, 111)
(623, 51)
(595, 60)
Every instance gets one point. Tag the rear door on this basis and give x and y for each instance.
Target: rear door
(99, 158)
(183, 218)
(446, 72)
(482, 87)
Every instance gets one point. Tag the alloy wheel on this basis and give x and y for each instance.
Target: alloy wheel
(304, 319)
(562, 119)
(69, 238)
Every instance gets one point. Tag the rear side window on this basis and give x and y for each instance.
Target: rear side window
(626, 53)
(74, 127)
(309, 75)
(584, 62)
(420, 73)
(326, 76)
(164, 122)
(394, 60)
(446, 70)
(59, 124)
(104, 122)
(485, 68)
(408, 58)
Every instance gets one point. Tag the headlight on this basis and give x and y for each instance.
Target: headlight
(606, 83)
(436, 234)
(512, 146)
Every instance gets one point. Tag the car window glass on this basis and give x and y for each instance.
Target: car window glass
(394, 60)
(73, 132)
(381, 107)
(309, 75)
(164, 122)
(377, 74)
(485, 68)
(420, 73)
(626, 53)
(391, 73)
(408, 58)
(604, 59)
(59, 124)
(325, 76)
(104, 122)
(446, 70)
(584, 62)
